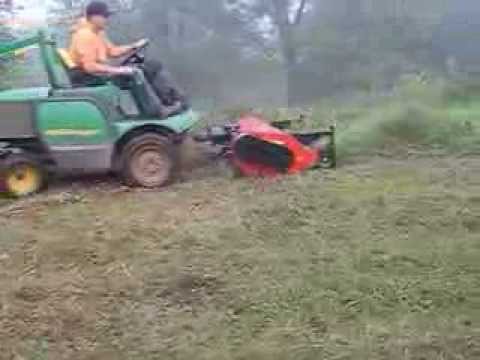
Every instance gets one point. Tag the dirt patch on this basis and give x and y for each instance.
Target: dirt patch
(188, 289)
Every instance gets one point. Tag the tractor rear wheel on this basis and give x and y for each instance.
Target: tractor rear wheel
(22, 176)
(148, 161)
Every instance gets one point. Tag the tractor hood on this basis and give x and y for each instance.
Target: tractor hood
(24, 94)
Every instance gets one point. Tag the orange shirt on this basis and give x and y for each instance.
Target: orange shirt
(89, 47)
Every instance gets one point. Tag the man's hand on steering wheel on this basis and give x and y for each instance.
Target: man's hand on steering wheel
(140, 44)
(124, 70)
(135, 55)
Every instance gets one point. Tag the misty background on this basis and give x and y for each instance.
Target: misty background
(228, 53)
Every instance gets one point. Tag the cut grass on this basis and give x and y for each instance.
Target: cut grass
(378, 261)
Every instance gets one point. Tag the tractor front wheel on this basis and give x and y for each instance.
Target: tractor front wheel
(148, 161)
(21, 176)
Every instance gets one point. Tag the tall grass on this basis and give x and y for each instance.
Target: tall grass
(417, 114)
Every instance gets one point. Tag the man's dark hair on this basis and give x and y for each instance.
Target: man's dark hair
(98, 8)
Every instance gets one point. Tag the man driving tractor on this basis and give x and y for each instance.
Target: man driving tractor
(90, 51)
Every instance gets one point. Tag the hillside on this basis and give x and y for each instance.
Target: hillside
(377, 260)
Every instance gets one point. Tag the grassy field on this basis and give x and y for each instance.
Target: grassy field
(377, 260)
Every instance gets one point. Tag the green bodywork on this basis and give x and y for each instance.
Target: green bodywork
(82, 123)
(13, 46)
(72, 123)
(178, 124)
(24, 94)
(68, 117)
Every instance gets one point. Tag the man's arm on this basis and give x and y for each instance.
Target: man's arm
(118, 51)
(102, 69)
(115, 51)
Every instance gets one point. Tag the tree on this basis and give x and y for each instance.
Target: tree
(64, 12)
(281, 20)
(287, 26)
(205, 45)
(456, 37)
(309, 48)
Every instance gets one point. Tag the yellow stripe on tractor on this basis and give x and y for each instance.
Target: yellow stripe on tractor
(71, 132)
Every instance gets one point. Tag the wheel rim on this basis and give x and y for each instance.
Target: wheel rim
(151, 167)
(23, 180)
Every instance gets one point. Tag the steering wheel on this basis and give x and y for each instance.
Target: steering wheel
(136, 56)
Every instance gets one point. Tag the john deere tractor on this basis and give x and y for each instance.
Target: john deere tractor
(63, 129)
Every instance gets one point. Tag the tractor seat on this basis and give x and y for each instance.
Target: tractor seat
(66, 58)
(133, 97)
(127, 103)
(69, 67)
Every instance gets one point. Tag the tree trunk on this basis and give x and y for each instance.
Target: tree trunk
(286, 31)
(289, 53)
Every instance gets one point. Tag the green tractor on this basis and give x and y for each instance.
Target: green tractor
(63, 129)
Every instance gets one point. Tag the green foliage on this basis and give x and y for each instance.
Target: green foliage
(367, 53)
(418, 114)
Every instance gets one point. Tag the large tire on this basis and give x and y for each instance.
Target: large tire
(148, 161)
(21, 176)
